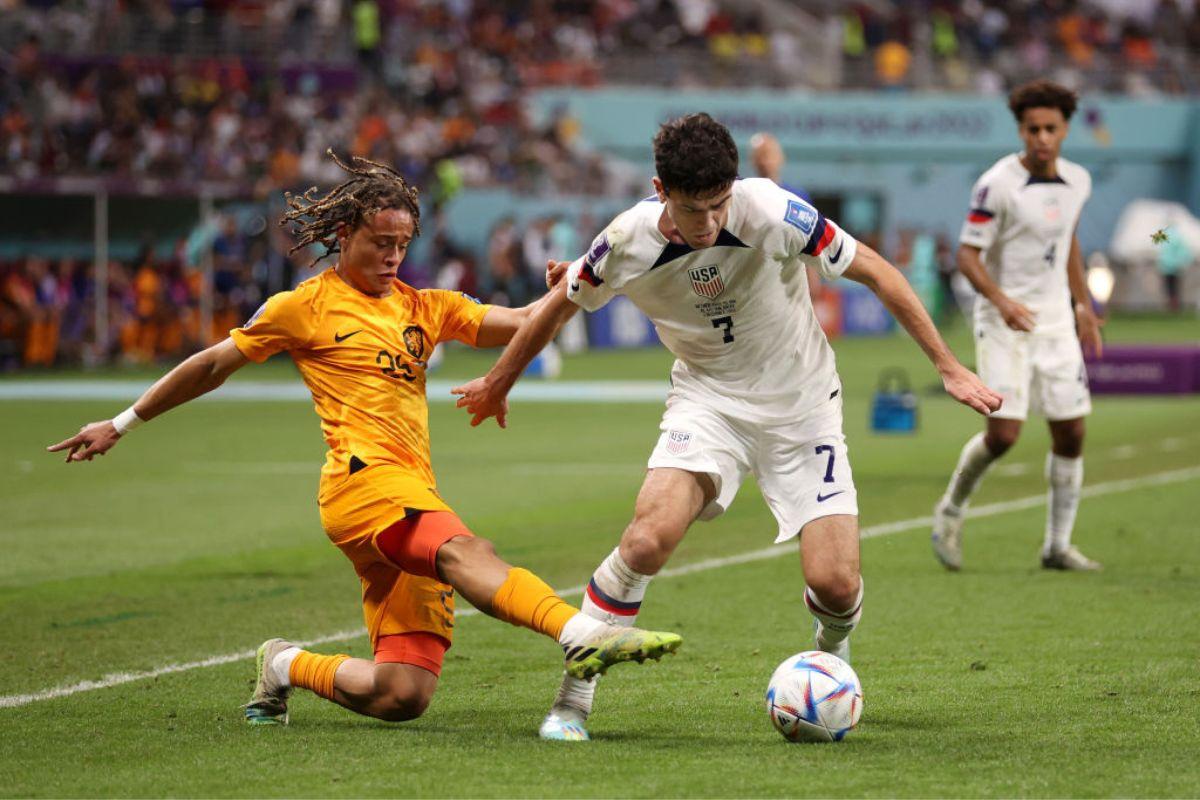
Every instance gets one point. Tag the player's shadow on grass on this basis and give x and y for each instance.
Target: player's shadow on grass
(425, 726)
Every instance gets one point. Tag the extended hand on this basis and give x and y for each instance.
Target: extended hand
(95, 439)
(965, 387)
(1015, 315)
(555, 272)
(482, 400)
(1089, 325)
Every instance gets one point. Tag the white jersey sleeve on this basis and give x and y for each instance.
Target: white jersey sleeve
(800, 231)
(1085, 179)
(585, 277)
(986, 215)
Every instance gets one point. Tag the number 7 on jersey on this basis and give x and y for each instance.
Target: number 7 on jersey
(727, 324)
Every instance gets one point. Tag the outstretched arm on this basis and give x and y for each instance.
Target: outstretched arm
(873, 271)
(488, 396)
(502, 323)
(197, 375)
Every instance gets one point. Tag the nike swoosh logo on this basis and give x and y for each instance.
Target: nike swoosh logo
(833, 258)
(337, 337)
(821, 498)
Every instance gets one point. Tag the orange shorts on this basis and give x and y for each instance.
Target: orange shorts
(390, 524)
(425, 650)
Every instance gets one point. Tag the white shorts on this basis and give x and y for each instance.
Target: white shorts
(1045, 373)
(802, 467)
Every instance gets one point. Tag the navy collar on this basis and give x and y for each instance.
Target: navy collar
(673, 251)
(1035, 179)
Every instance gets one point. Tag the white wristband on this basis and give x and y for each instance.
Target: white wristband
(126, 421)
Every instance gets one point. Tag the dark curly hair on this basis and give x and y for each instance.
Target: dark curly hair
(373, 188)
(1042, 94)
(695, 154)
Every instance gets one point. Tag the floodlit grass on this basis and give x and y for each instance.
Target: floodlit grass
(198, 536)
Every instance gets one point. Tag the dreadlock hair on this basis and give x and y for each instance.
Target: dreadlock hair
(373, 188)
(1042, 94)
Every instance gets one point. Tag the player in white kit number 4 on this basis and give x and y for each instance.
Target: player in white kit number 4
(718, 264)
(1019, 249)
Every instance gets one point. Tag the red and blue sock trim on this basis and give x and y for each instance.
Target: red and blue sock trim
(611, 604)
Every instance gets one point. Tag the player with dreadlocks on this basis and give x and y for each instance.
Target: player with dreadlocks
(361, 340)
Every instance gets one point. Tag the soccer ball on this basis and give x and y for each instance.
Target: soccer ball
(814, 697)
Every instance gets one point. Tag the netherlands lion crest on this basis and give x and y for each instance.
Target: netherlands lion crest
(414, 341)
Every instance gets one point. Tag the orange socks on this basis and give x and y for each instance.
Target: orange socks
(315, 672)
(524, 599)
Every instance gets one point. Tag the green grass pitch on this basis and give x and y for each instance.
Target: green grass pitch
(199, 537)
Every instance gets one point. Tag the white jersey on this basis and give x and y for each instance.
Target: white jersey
(1025, 226)
(737, 315)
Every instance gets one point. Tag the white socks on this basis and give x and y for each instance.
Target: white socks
(835, 625)
(1065, 476)
(973, 462)
(613, 597)
(578, 628)
(282, 663)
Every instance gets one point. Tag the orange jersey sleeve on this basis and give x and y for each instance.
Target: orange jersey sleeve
(285, 322)
(454, 316)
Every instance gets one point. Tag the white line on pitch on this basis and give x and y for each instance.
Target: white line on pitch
(775, 551)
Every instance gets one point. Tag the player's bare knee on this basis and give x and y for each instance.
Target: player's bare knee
(836, 586)
(1067, 438)
(644, 545)
(1000, 442)
(462, 552)
(402, 707)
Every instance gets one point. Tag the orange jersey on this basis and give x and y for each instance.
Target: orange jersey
(363, 358)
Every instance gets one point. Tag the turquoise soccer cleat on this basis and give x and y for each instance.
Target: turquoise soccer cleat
(564, 724)
(268, 704)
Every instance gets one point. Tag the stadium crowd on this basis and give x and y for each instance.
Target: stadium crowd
(1138, 47)
(447, 104)
(48, 306)
(251, 94)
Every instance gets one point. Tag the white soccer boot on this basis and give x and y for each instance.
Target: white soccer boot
(947, 535)
(1070, 560)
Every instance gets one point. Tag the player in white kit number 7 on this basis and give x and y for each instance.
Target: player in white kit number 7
(718, 264)
(1019, 249)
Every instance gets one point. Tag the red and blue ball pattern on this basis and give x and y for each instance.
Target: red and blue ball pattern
(815, 697)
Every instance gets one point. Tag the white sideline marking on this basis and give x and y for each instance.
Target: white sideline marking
(1011, 470)
(775, 551)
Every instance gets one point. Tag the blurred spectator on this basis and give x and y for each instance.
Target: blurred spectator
(892, 60)
(506, 283)
(767, 156)
(1174, 258)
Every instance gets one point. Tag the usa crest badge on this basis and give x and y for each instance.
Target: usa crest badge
(678, 442)
(706, 281)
